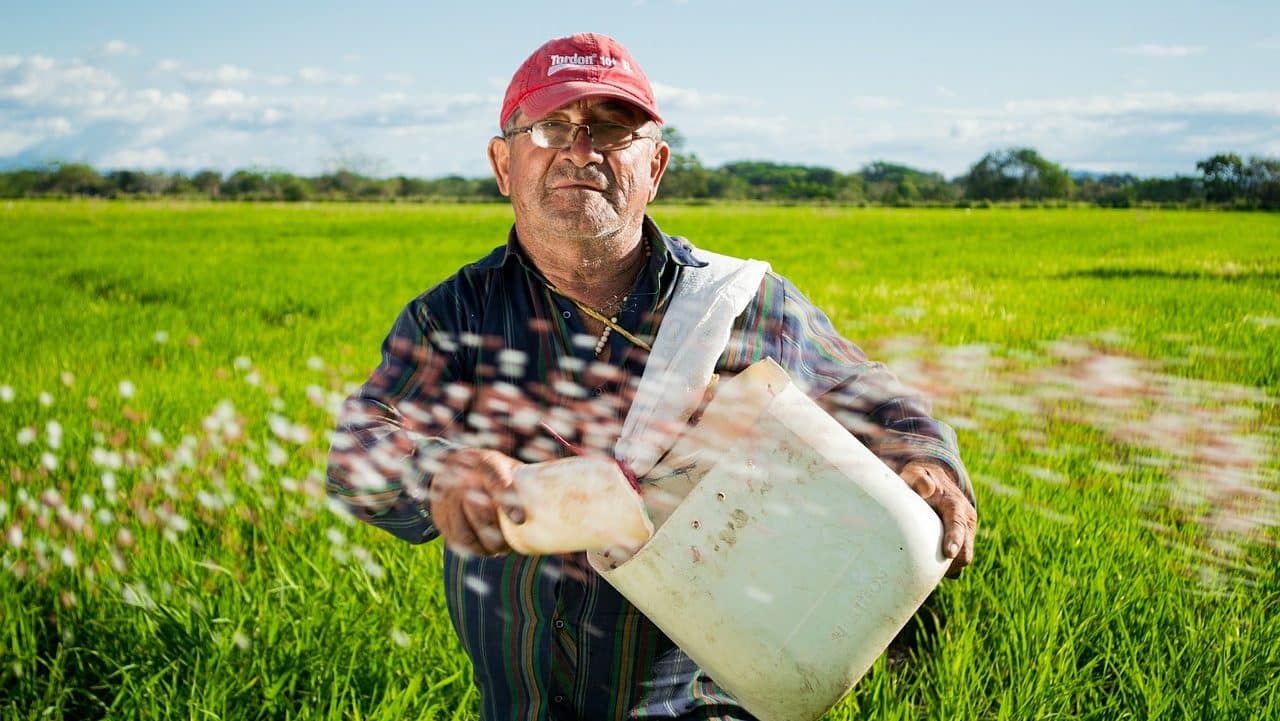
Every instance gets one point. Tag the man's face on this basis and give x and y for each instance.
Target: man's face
(579, 191)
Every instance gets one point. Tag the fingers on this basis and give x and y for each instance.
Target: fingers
(493, 470)
(464, 498)
(959, 521)
(509, 501)
(459, 536)
(500, 484)
(468, 523)
(479, 511)
(959, 518)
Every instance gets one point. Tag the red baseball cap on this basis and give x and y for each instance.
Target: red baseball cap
(567, 69)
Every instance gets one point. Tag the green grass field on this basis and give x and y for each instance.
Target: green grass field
(169, 374)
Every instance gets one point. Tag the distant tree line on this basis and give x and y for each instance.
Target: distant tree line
(77, 179)
(1011, 175)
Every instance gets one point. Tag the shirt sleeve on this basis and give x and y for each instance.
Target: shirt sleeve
(865, 397)
(391, 431)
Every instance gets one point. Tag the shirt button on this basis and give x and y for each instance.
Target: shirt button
(559, 623)
(558, 699)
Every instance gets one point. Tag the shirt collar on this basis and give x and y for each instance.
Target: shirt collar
(678, 248)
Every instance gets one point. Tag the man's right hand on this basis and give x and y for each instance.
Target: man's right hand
(465, 495)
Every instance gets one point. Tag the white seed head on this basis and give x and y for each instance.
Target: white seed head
(53, 434)
(276, 455)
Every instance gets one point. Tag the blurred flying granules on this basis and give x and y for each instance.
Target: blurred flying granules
(97, 483)
(1208, 443)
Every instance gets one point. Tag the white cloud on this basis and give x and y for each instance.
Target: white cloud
(1260, 102)
(35, 78)
(162, 100)
(225, 74)
(943, 91)
(398, 78)
(147, 157)
(1153, 50)
(115, 48)
(15, 136)
(1143, 133)
(168, 65)
(13, 142)
(56, 126)
(1208, 143)
(319, 76)
(1153, 133)
(223, 97)
(875, 102)
(671, 98)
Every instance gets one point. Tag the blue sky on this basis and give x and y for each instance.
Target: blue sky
(1144, 86)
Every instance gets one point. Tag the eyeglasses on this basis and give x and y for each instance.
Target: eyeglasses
(561, 134)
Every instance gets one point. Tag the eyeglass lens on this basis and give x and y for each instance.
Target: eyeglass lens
(560, 134)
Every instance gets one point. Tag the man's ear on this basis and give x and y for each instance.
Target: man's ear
(499, 162)
(658, 166)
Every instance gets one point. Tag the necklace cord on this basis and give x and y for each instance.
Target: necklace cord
(609, 323)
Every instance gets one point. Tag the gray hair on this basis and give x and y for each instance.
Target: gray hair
(512, 123)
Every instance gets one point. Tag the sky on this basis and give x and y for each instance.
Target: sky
(1141, 86)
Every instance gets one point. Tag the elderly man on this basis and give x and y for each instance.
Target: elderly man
(555, 325)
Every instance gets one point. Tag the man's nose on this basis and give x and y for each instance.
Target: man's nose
(580, 150)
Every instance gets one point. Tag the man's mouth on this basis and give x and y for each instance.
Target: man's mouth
(578, 186)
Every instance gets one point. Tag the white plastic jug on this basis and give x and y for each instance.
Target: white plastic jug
(581, 503)
(786, 555)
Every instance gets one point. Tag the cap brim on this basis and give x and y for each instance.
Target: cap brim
(539, 103)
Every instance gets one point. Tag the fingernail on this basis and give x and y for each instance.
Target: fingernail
(952, 550)
(516, 515)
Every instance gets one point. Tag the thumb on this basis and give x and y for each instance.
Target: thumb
(501, 484)
(919, 477)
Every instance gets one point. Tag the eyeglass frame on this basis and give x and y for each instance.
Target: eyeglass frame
(573, 137)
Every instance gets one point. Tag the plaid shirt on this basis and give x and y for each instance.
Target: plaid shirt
(485, 356)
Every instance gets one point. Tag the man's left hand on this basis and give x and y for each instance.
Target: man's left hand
(959, 518)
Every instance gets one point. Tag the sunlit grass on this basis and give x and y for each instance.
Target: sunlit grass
(170, 373)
